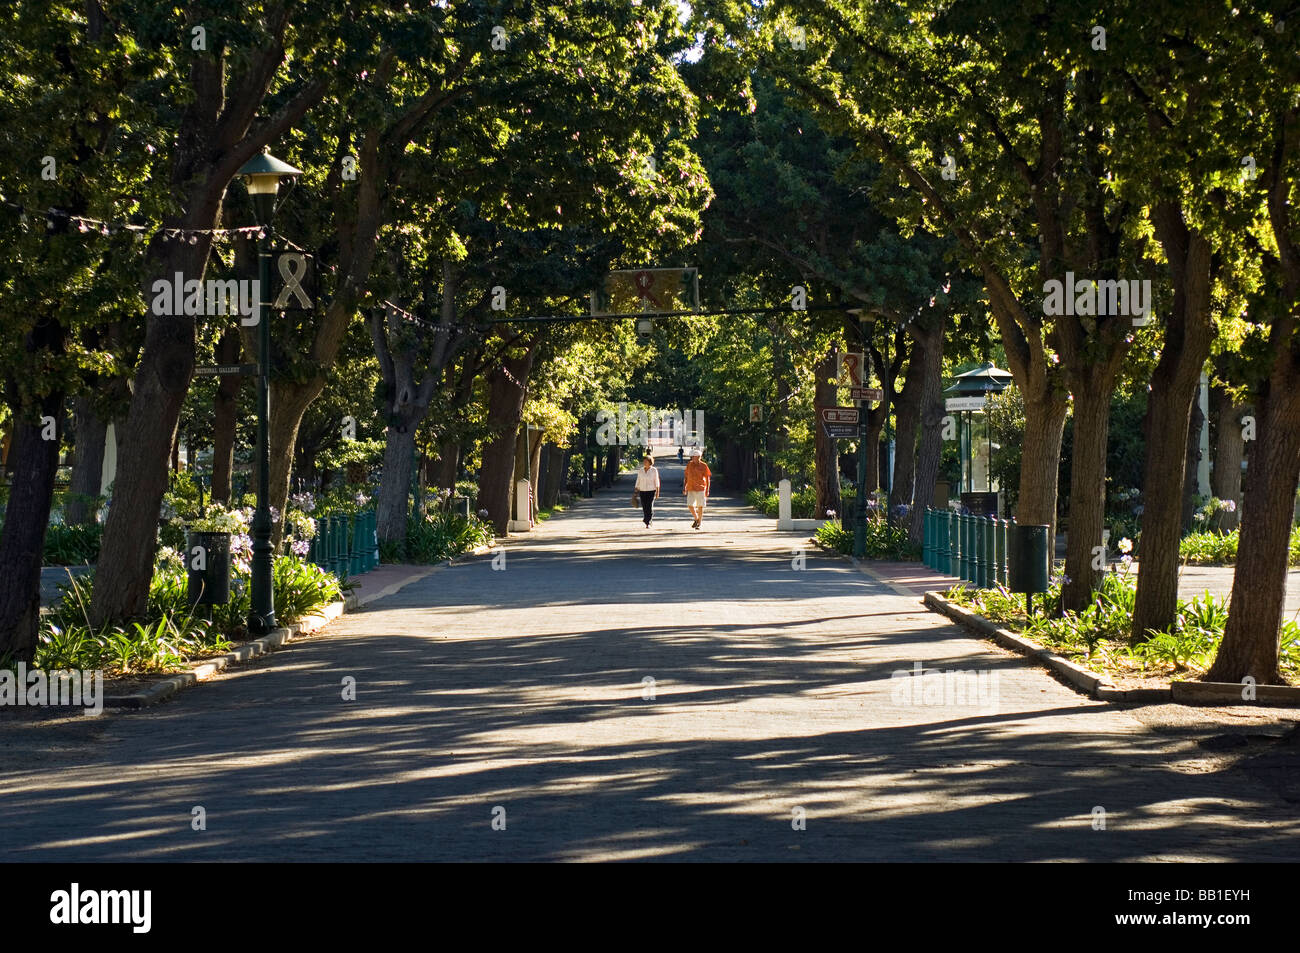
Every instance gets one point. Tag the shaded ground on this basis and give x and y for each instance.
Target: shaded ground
(525, 690)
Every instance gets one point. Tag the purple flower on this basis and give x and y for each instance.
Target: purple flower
(301, 547)
(1230, 505)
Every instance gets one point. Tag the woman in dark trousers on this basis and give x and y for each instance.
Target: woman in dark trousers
(647, 488)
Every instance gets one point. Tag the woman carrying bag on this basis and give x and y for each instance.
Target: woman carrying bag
(647, 488)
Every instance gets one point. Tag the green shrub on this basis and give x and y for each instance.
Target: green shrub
(437, 536)
(803, 502)
(170, 631)
(72, 545)
(1102, 630)
(1220, 549)
(883, 541)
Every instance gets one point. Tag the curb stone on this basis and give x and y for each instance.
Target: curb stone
(1079, 678)
(268, 643)
(1229, 693)
(1100, 687)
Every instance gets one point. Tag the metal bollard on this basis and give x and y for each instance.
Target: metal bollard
(986, 557)
(925, 539)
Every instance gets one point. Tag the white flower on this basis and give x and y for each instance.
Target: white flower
(301, 547)
(1126, 545)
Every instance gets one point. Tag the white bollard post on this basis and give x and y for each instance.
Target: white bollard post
(522, 522)
(784, 510)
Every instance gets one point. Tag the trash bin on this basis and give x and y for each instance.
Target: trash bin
(207, 561)
(1028, 566)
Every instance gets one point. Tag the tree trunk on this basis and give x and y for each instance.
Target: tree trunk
(225, 415)
(1087, 491)
(826, 473)
(1250, 640)
(90, 431)
(289, 401)
(1167, 423)
(445, 468)
(929, 351)
(1040, 461)
(1169, 407)
(125, 567)
(34, 463)
(535, 468)
(1229, 450)
(395, 483)
(505, 409)
(1191, 457)
(907, 410)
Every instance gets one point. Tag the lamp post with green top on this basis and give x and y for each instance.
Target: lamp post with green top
(261, 176)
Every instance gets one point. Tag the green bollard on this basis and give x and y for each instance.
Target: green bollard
(340, 530)
(962, 553)
(986, 553)
(925, 540)
(950, 543)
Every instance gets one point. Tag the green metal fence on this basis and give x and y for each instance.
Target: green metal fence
(346, 545)
(972, 548)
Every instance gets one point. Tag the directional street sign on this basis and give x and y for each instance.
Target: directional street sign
(841, 431)
(839, 415)
(964, 403)
(212, 370)
(866, 393)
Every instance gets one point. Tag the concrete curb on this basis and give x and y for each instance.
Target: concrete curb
(1076, 676)
(1100, 687)
(266, 644)
(1229, 693)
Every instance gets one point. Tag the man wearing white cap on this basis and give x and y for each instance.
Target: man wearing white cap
(695, 485)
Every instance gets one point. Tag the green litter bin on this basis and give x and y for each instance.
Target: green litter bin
(1028, 566)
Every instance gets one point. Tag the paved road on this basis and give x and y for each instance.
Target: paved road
(524, 690)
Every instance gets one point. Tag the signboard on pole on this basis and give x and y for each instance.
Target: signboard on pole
(964, 403)
(647, 291)
(839, 415)
(849, 368)
(214, 370)
(841, 431)
(866, 393)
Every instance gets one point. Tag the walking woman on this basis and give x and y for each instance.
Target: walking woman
(647, 488)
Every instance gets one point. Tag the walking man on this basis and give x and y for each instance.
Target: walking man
(647, 488)
(695, 485)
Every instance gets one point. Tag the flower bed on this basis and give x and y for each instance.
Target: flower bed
(1098, 637)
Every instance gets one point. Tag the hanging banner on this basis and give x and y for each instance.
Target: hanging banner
(647, 291)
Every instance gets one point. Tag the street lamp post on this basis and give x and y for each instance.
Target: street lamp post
(261, 176)
(860, 522)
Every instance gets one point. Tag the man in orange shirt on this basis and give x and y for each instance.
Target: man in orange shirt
(695, 485)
